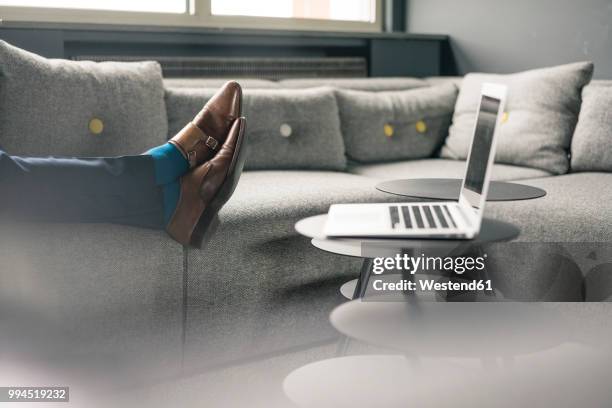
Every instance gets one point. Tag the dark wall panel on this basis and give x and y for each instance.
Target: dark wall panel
(386, 54)
(404, 58)
(48, 43)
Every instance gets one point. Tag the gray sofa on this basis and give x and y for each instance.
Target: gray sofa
(257, 287)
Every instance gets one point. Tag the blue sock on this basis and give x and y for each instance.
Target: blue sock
(169, 166)
(171, 193)
(169, 163)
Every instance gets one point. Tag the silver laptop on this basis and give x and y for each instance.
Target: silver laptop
(454, 219)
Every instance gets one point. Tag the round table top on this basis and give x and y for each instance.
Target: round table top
(476, 329)
(391, 381)
(378, 380)
(312, 227)
(448, 189)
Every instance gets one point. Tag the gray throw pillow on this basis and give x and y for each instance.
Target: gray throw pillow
(400, 125)
(541, 114)
(286, 129)
(592, 141)
(68, 108)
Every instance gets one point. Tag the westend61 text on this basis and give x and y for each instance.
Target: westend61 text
(432, 285)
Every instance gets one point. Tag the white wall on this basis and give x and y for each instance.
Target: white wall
(513, 35)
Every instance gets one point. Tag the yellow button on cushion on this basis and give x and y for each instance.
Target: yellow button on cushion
(504, 118)
(96, 126)
(421, 126)
(388, 130)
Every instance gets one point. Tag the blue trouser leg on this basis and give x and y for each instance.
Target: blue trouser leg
(120, 190)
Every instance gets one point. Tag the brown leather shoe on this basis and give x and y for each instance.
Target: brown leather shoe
(205, 189)
(201, 138)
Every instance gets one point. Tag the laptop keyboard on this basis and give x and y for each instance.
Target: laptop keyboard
(429, 215)
(406, 214)
(440, 216)
(395, 219)
(449, 216)
(417, 216)
(422, 216)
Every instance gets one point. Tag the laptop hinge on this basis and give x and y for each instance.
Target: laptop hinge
(470, 216)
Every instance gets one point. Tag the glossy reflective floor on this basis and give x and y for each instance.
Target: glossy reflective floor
(311, 347)
(385, 354)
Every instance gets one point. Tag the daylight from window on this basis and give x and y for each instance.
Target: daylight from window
(158, 6)
(287, 14)
(347, 10)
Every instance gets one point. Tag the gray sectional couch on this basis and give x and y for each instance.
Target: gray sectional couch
(257, 287)
(275, 274)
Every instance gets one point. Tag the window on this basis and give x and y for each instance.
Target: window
(156, 6)
(347, 10)
(331, 15)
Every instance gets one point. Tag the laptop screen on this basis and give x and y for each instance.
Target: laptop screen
(482, 143)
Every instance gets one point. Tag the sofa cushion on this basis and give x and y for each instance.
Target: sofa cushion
(439, 80)
(246, 83)
(395, 125)
(592, 141)
(286, 129)
(541, 113)
(440, 168)
(576, 208)
(358, 84)
(258, 287)
(601, 82)
(269, 195)
(93, 290)
(69, 108)
(258, 278)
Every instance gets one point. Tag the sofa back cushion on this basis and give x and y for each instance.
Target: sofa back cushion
(68, 108)
(357, 84)
(194, 82)
(541, 114)
(399, 125)
(286, 129)
(592, 141)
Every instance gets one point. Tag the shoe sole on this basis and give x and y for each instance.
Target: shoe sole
(209, 220)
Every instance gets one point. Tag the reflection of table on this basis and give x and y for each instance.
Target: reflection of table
(491, 231)
(448, 189)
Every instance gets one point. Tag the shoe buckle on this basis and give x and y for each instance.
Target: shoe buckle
(211, 142)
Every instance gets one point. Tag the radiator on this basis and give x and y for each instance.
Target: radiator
(250, 67)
